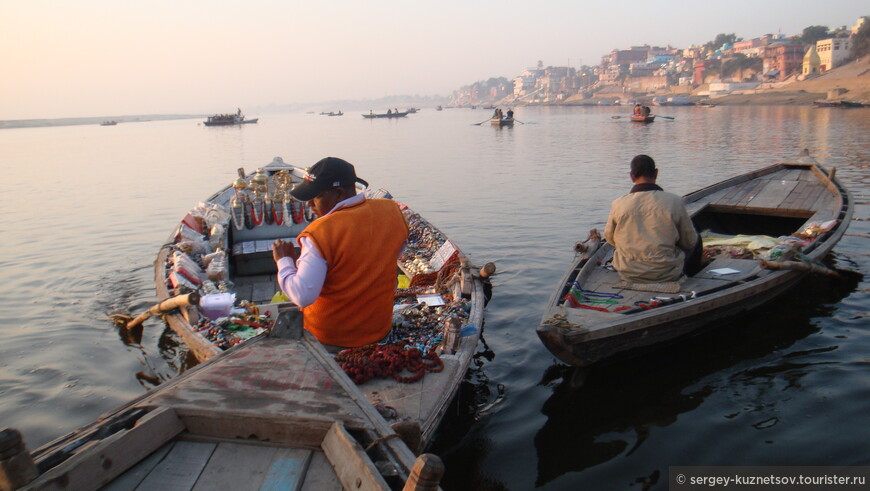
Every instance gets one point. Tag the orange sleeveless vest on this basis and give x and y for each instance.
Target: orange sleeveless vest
(360, 244)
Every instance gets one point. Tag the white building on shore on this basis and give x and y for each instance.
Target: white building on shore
(832, 52)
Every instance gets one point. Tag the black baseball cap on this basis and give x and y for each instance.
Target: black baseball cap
(328, 173)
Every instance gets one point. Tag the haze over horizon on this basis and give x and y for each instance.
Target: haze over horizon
(102, 57)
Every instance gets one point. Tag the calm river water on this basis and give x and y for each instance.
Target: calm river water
(84, 210)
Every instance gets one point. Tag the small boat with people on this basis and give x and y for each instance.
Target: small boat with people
(268, 407)
(500, 118)
(641, 114)
(228, 119)
(109, 123)
(762, 232)
(332, 113)
(389, 114)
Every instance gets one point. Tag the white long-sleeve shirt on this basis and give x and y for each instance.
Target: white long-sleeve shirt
(303, 281)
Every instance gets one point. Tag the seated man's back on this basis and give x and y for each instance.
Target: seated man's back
(650, 229)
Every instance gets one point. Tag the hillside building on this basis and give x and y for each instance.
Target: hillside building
(832, 52)
(782, 60)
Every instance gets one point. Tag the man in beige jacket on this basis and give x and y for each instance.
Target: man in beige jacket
(651, 230)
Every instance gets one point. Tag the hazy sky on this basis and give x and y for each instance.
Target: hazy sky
(117, 57)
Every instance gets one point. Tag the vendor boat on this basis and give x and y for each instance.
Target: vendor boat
(802, 212)
(268, 407)
(439, 300)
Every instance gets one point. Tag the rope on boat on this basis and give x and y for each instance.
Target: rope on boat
(382, 439)
(799, 266)
(560, 320)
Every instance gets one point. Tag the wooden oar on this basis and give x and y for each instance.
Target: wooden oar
(480, 123)
(663, 117)
(162, 307)
(518, 121)
(617, 117)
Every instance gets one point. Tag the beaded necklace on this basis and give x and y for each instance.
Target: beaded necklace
(257, 203)
(278, 220)
(388, 360)
(237, 209)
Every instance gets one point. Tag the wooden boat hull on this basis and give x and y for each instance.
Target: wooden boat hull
(424, 401)
(643, 119)
(391, 115)
(230, 123)
(785, 194)
(839, 103)
(502, 121)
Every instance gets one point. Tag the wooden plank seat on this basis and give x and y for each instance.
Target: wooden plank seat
(188, 464)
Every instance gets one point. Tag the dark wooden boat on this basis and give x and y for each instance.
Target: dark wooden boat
(385, 115)
(436, 267)
(643, 119)
(593, 315)
(502, 121)
(838, 103)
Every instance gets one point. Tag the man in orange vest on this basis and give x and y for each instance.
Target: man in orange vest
(344, 278)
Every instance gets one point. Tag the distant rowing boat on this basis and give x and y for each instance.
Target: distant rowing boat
(385, 115)
(108, 123)
(502, 121)
(643, 119)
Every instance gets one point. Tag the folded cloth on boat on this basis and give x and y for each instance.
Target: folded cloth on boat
(755, 243)
(664, 287)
